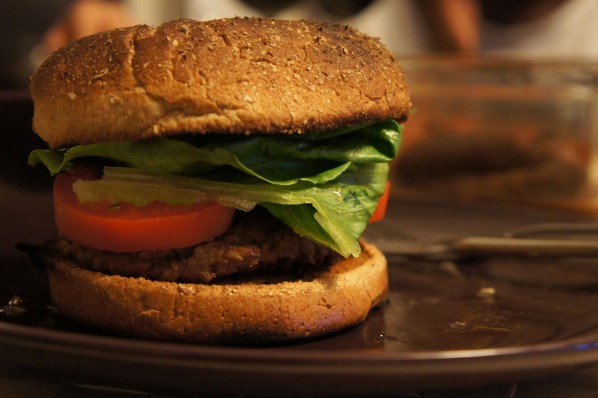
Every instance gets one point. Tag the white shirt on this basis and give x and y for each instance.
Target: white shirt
(570, 31)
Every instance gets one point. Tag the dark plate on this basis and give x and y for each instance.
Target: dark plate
(444, 325)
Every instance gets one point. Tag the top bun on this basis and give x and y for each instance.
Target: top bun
(238, 75)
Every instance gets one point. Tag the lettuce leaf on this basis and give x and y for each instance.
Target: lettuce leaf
(324, 186)
(277, 160)
(333, 214)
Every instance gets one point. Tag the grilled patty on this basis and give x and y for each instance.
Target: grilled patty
(255, 241)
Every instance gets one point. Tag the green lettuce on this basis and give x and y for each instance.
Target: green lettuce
(324, 186)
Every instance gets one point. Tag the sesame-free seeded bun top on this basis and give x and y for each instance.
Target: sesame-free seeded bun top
(231, 76)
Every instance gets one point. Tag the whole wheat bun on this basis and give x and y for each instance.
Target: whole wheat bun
(239, 75)
(251, 312)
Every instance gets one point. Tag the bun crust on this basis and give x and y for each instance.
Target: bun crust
(239, 75)
(249, 312)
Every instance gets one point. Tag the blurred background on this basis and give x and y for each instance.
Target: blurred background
(31, 29)
(505, 92)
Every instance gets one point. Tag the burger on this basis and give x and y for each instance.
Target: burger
(213, 179)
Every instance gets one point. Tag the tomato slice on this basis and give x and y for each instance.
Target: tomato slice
(380, 211)
(126, 228)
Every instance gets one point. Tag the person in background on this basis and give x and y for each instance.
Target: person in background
(453, 25)
(32, 29)
(540, 28)
(531, 28)
(85, 17)
(398, 23)
(546, 28)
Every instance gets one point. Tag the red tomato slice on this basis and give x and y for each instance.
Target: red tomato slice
(380, 211)
(126, 228)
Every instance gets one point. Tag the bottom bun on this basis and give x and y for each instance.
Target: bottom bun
(227, 313)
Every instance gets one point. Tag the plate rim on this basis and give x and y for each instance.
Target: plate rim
(580, 350)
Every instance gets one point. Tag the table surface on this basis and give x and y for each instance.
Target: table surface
(18, 381)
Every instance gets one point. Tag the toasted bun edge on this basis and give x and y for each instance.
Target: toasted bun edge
(223, 313)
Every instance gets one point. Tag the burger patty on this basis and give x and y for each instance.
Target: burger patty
(255, 241)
